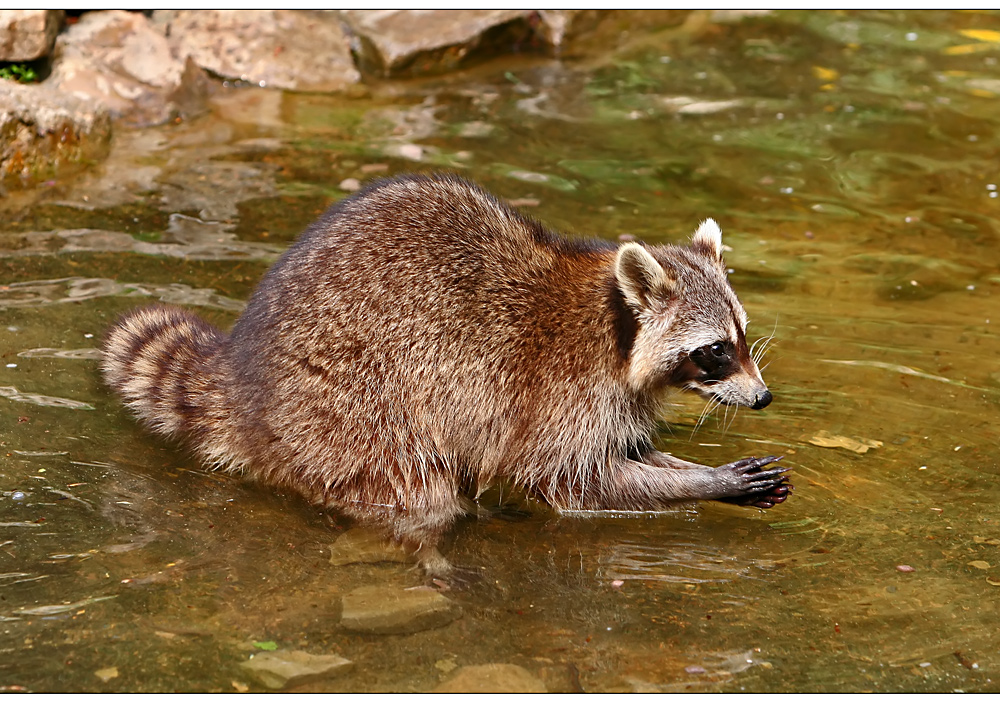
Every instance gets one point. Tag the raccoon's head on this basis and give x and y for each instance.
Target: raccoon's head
(690, 326)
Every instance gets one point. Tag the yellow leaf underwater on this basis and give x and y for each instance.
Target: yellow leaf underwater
(987, 35)
(825, 74)
(859, 445)
(961, 49)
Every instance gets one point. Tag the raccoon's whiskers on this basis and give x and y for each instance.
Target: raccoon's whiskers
(729, 422)
(711, 405)
(764, 342)
(758, 348)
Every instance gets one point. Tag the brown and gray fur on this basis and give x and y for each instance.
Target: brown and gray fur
(423, 339)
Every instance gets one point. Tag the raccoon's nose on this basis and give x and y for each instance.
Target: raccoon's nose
(762, 401)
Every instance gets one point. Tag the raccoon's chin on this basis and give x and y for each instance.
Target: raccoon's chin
(760, 400)
(708, 393)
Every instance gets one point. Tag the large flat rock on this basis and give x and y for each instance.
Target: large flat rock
(299, 50)
(278, 670)
(388, 610)
(492, 678)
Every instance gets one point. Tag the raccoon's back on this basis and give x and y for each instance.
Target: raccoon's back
(425, 307)
(160, 360)
(424, 269)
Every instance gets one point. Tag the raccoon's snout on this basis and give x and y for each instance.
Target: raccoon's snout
(763, 400)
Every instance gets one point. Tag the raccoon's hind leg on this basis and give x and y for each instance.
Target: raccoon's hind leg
(422, 541)
(417, 519)
(434, 564)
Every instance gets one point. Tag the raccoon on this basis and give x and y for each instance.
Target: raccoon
(423, 339)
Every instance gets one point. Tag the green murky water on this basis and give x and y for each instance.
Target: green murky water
(852, 162)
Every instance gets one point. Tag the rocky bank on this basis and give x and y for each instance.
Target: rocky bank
(108, 69)
(137, 69)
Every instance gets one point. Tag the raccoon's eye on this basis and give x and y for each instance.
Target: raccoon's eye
(715, 359)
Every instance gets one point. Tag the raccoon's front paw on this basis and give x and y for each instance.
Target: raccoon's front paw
(757, 487)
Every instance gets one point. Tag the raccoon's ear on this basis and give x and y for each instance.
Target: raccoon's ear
(640, 277)
(708, 240)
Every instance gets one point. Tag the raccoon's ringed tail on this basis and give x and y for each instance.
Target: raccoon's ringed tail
(156, 358)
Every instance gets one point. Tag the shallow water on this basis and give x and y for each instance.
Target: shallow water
(851, 159)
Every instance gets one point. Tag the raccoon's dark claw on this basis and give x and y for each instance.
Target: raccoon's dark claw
(752, 464)
(758, 488)
(771, 498)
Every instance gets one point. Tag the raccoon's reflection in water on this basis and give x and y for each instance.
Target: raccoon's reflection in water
(681, 561)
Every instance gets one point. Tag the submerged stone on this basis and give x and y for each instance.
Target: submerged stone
(363, 546)
(107, 673)
(388, 610)
(492, 678)
(278, 670)
(43, 131)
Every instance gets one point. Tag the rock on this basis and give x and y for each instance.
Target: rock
(278, 670)
(107, 673)
(360, 545)
(289, 49)
(555, 24)
(390, 610)
(492, 678)
(213, 189)
(397, 42)
(43, 131)
(119, 59)
(129, 172)
(261, 108)
(560, 678)
(26, 35)
(559, 26)
(733, 16)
